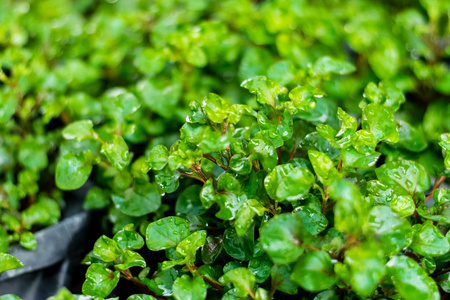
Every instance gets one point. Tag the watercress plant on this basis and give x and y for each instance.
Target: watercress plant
(281, 203)
(121, 103)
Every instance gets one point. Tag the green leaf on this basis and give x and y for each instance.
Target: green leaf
(196, 56)
(349, 211)
(166, 233)
(274, 177)
(411, 138)
(44, 212)
(184, 154)
(367, 267)
(380, 122)
(314, 271)
(150, 61)
(28, 241)
(97, 198)
(107, 249)
(141, 199)
(240, 164)
(353, 159)
(213, 141)
(161, 96)
(128, 240)
(63, 294)
(229, 197)
(79, 130)
(326, 64)
(264, 151)
(379, 193)
(4, 241)
(285, 128)
(72, 171)
(295, 185)
(313, 221)
(117, 152)
(33, 154)
(280, 275)
(403, 205)
(207, 194)
(240, 248)
(410, 280)
(141, 297)
(13, 297)
(158, 157)
(445, 144)
(429, 241)
(194, 132)
(386, 94)
(365, 142)
(9, 262)
(304, 97)
(389, 229)
(130, 259)
(282, 72)
(323, 167)
(162, 281)
(428, 264)
(212, 249)
(188, 203)
(260, 267)
(100, 281)
(167, 180)
(314, 141)
(267, 91)
(8, 103)
(404, 175)
(281, 238)
(245, 215)
(242, 279)
(188, 247)
(215, 108)
(187, 288)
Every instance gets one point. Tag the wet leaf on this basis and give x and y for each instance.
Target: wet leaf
(166, 233)
(9, 262)
(72, 171)
(314, 271)
(281, 238)
(410, 279)
(404, 175)
(100, 281)
(187, 288)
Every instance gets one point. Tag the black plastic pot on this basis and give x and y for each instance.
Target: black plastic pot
(56, 261)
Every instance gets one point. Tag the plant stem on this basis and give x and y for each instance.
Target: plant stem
(214, 283)
(279, 155)
(437, 184)
(142, 286)
(209, 156)
(293, 153)
(198, 170)
(312, 248)
(191, 176)
(324, 197)
(441, 272)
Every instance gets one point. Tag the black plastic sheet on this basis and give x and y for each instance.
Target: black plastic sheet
(56, 261)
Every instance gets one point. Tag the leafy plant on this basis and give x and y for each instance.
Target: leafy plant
(280, 205)
(98, 90)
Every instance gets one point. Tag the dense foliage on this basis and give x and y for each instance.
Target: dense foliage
(278, 192)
